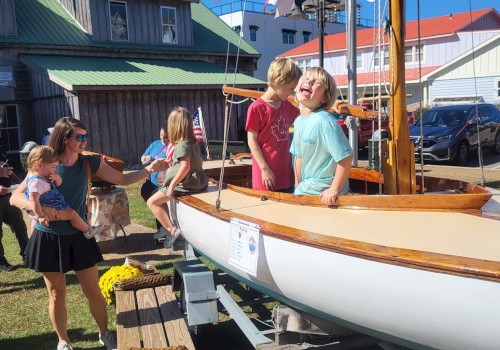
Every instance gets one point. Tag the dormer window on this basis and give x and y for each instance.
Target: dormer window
(307, 36)
(288, 36)
(118, 20)
(253, 33)
(169, 25)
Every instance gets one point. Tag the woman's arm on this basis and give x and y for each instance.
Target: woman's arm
(18, 199)
(185, 165)
(112, 175)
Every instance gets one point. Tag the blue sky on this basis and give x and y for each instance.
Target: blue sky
(428, 8)
(434, 8)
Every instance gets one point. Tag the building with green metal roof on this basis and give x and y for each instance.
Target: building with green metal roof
(120, 67)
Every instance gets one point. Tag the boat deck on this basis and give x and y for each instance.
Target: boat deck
(454, 234)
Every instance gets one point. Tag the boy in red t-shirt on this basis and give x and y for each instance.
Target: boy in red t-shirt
(268, 120)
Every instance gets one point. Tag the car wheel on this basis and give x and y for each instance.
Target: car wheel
(462, 154)
(495, 149)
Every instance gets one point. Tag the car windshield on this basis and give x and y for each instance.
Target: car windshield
(444, 117)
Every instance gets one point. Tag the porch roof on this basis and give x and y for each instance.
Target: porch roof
(93, 73)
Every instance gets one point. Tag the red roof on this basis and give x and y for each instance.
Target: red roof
(431, 27)
(372, 78)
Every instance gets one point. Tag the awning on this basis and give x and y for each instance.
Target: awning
(92, 73)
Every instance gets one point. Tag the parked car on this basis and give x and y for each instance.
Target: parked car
(451, 133)
(365, 129)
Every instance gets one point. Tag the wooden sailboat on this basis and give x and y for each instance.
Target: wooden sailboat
(419, 267)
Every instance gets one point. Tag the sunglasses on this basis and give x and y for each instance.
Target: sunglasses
(81, 137)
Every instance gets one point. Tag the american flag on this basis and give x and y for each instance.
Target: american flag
(198, 126)
(199, 130)
(169, 151)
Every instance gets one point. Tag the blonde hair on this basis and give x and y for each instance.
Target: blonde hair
(180, 126)
(327, 80)
(42, 154)
(283, 71)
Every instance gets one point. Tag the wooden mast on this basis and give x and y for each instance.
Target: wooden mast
(399, 170)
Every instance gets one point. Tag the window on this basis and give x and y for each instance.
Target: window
(9, 127)
(288, 36)
(497, 89)
(376, 58)
(359, 61)
(237, 29)
(409, 54)
(304, 64)
(412, 54)
(253, 33)
(168, 25)
(255, 67)
(307, 36)
(118, 20)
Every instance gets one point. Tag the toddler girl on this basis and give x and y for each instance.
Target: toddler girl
(41, 190)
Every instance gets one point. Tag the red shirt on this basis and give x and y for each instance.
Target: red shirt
(273, 137)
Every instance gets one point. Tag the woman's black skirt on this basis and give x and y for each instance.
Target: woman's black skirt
(47, 252)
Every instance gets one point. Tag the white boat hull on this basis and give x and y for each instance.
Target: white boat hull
(413, 307)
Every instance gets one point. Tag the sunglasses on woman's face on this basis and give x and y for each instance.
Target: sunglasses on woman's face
(81, 137)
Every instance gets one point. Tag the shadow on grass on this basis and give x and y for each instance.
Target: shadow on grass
(48, 341)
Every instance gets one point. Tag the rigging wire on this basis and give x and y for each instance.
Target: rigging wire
(379, 97)
(229, 103)
(421, 139)
(476, 116)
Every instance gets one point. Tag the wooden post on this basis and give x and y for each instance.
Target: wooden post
(398, 176)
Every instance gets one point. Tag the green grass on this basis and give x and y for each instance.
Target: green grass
(24, 319)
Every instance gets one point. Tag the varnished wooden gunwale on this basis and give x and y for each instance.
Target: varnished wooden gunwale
(463, 197)
(429, 261)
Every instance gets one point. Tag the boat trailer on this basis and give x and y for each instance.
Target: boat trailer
(203, 293)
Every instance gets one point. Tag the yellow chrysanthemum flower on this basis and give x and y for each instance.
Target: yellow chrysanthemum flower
(113, 275)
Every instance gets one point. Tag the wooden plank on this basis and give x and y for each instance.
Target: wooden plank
(127, 324)
(175, 325)
(153, 333)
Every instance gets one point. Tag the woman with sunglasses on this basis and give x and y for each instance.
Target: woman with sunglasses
(59, 248)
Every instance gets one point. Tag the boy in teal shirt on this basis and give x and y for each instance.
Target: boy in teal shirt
(322, 152)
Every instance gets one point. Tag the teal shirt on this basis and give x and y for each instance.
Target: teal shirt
(74, 190)
(319, 140)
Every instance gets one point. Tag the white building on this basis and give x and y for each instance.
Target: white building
(459, 57)
(272, 35)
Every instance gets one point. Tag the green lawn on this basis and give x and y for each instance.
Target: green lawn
(24, 320)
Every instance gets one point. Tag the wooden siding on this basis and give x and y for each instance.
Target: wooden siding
(463, 87)
(49, 103)
(80, 10)
(144, 21)
(124, 123)
(8, 26)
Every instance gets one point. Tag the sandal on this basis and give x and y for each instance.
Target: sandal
(175, 233)
(161, 233)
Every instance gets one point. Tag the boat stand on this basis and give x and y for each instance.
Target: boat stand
(202, 291)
